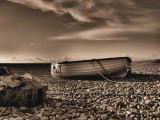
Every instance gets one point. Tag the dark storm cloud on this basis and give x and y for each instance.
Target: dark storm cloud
(79, 17)
(69, 4)
(100, 12)
(149, 4)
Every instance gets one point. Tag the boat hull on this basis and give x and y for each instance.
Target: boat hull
(110, 68)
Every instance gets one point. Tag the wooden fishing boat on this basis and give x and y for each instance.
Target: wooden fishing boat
(118, 67)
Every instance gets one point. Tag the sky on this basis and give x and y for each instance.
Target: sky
(45, 30)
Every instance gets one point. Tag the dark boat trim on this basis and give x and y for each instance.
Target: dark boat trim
(65, 62)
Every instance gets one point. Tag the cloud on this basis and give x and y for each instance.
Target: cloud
(78, 16)
(148, 4)
(55, 6)
(108, 33)
(92, 11)
(101, 20)
(36, 4)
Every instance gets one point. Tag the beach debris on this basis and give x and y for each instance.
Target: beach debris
(20, 90)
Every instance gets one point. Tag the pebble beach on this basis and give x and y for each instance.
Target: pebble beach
(136, 97)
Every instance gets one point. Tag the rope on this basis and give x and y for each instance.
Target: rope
(102, 74)
(112, 81)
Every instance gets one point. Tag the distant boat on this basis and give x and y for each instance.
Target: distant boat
(118, 67)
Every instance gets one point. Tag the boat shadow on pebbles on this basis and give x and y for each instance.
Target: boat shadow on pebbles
(129, 78)
(140, 78)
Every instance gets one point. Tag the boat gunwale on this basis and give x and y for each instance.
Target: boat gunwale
(90, 60)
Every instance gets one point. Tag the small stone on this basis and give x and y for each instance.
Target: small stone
(28, 114)
(3, 109)
(138, 91)
(104, 116)
(129, 118)
(15, 115)
(62, 118)
(26, 117)
(132, 115)
(6, 113)
(83, 117)
(73, 115)
(42, 110)
(44, 118)
(6, 119)
(112, 118)
(129, 112)
(145, 97)
(19, 118)
(15, 110)
(138, 107)
(91, 117)
(133, 105)
(58, 104)
(80, 110)
(111, 109)
(148, 101)
(24, 109)
(11, 118)
(53, 113)
(40, 115)
(77, 114)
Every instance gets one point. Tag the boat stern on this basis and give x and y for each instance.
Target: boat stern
(55, 69)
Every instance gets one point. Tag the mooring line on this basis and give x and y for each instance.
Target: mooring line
(111, 81)
(101, 73)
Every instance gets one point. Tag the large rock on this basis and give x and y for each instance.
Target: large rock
(28, 94)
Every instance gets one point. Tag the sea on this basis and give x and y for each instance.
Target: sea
(40, 70)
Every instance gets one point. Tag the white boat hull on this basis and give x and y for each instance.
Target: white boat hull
(111, 67)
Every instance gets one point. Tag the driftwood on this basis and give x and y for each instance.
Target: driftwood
(28, 94)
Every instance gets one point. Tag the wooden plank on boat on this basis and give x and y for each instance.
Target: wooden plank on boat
(113, 67)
